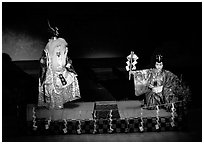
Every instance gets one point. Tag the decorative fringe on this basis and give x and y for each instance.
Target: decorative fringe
(173, 110)
(110, 122)
(34, 120)
(79, 127)
(65, 125)
(141, 123)
(127, 128)
(48, 124)
(157, 120)
(94, 116)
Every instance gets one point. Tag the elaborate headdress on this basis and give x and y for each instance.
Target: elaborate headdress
(53, 31)
(159, 58)
(55, 40)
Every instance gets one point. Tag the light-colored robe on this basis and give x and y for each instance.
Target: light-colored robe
(58, 82)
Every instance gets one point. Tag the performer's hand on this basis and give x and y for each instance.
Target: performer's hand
(132, 72)
(157, 89)
(151, 86)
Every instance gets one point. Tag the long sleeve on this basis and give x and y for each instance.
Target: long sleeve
(69, 65)
(43, 67)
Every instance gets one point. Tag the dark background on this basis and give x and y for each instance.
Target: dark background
(100, 36)
(106, 30)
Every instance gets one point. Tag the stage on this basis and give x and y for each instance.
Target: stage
(84, 110)
(102, 117)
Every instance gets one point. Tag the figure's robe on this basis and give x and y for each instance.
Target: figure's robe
(58, 82)
(159, 88)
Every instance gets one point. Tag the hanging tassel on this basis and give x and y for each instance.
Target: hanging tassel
(157, 120)
(65, 125)
(48, 124)
(94, 116)
(110, 122)
(131, 62)
(34, 120)
(172, 115)
(141, 123)
(79, 127)
(127, 128)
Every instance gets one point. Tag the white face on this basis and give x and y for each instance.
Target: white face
(60, 50)
(159, 66)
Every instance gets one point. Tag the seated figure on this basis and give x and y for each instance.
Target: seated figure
(58, 82)
(159, 86)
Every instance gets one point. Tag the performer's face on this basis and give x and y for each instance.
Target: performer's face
(159, 66)
(58, 51)
(61, 50)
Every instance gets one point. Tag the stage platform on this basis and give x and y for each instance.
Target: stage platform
(101, 117)
(84, 110)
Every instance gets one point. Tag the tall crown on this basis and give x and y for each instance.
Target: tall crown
(53, 31)
(159, 58)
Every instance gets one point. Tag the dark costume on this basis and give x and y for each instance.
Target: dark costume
(159, 86)
(166, 82)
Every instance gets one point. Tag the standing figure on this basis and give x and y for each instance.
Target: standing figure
(58, 82)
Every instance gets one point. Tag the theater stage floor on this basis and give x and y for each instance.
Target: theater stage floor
(192, 134)
(84, 110)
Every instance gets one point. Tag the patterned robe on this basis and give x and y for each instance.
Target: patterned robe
(58, 82)
(159, 88)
